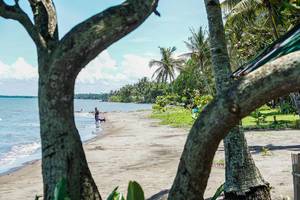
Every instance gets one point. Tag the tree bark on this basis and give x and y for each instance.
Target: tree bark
(296, 100)
(60, 61)
(242, 178)
(62, 152)
(236, 151)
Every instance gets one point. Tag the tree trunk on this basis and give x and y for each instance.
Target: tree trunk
(62, 151)
(270, 81)
(243, 179)
(296, 100)
(237, 156)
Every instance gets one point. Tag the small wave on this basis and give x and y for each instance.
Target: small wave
(0, 119)
(83, 114)
(19, 151)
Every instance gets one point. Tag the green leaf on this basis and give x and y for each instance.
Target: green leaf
(115, 195)
(60, 191)
(218, 192)
(135, 191)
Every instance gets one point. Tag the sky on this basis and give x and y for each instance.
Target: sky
(122, 63)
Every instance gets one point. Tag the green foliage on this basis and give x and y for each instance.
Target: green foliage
(192, 78)
(218, 193)
(144, 91)
(134, 192)
(115, 195)
(157, 107)
(258, 116)
(101, 96)
(174, 116)
(60, 191)
(252, 25)
(265, 151)
(166, 66)
(296, 124)
(182, 117)
(287, 108)
(201, 101)
(273, 119)
(115, 98)
(169, 99)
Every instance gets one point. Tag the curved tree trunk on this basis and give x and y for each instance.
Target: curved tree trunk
(243, 179)
(62, 152)
(60, 61)
(272, 80)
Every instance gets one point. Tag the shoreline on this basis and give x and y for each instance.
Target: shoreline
(97, 135)
(133, 147)
(34, 160)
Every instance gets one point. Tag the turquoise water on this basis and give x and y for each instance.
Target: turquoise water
(19, 127)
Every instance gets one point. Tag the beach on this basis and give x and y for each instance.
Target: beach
(134, 147)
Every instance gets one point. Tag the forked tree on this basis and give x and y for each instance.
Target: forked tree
(59, 62)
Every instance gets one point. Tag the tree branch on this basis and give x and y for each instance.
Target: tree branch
(45, 20)
(271, 81)
(86, 40)
(16, 13)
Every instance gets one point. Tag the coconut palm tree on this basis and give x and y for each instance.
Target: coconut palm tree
(167, 65)
(240, 11)
(238, 14)
(198, 46)
(199, 52)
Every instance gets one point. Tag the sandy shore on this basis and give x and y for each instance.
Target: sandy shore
(134, 147)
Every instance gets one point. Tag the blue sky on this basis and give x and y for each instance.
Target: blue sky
(124, 62)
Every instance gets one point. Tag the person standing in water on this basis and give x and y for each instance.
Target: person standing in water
(97, 116)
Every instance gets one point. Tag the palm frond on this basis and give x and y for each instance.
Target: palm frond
(155, 63)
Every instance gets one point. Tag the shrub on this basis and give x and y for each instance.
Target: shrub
(201, 101)
(134, 192)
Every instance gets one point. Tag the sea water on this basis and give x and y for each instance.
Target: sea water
(19, 127)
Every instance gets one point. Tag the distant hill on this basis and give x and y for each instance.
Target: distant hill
(102, 96)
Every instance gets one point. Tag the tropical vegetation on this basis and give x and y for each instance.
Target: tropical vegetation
(250, 27)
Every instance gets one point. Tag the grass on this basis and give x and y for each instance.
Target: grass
(181, 117)
(282, 120)
(174, 116)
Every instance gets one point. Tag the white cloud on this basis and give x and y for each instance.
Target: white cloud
(19, 70)
(98, 69)
(106, 71)
(102, 74)
(135, 67)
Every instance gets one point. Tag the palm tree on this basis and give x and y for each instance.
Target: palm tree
(198, 46)
(239, 14)
(240, 11)
(167, 65)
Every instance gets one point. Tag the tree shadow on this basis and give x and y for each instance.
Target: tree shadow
(258, 148)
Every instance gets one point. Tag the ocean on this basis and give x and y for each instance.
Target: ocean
(19, 127)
